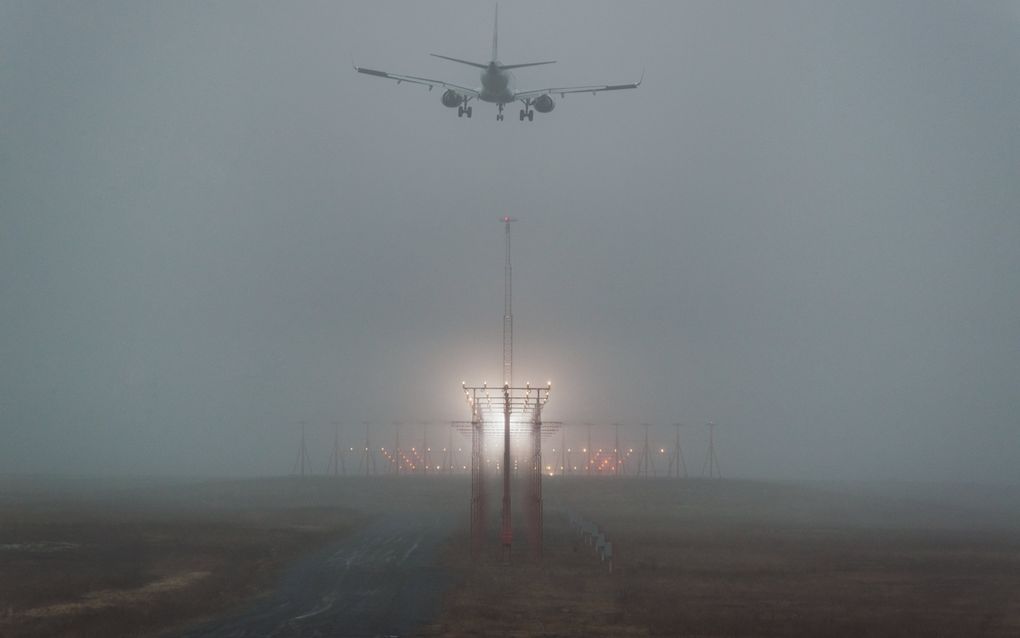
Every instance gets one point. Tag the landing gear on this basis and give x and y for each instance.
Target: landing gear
(527, 112)
(464, 110)
(499, 116)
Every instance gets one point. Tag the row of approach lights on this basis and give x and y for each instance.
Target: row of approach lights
(506, 388)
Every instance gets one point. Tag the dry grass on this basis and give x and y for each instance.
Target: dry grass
(698, 558)
(693, 558)
(567, 595)
(72, 568)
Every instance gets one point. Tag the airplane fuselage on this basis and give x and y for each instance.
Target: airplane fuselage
(497, 85)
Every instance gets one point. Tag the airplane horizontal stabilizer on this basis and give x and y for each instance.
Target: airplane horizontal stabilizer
(477, 64)
(520, 66)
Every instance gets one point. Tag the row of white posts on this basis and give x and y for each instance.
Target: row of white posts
(593, 536)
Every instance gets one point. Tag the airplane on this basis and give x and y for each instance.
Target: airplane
(497, 85)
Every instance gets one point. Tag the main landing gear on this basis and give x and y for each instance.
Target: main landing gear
(528, 114)
(463, 110)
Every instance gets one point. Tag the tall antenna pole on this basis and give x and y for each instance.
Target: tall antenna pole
(508, 314)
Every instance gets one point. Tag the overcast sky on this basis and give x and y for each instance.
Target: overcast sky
(804, 225)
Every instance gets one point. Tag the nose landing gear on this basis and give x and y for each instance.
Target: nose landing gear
(499, 116)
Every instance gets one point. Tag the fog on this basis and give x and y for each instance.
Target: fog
(802, 226)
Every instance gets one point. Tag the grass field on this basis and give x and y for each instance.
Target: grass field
(119, 558)
(693, 557)
(733, 558)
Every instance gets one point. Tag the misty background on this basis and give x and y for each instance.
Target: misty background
(803, 226)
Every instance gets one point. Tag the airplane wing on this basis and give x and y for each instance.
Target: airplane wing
(412, 79)
(563, 90)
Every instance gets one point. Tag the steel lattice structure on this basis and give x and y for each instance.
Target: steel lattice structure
(519, 411)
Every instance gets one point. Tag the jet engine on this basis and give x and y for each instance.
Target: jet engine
(451, 98)
(544, 103)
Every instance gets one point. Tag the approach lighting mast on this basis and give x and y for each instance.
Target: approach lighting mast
(508, 313)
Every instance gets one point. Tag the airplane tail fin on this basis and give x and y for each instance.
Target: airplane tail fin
(495, 35)
(495, 52)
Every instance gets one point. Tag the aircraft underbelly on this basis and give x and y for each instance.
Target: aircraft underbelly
(502, 97)
(496, 88)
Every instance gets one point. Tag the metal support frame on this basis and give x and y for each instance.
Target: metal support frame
(396, 447)
(337, 464)
(477, 484)
(676, 460)
(534, 502)
(563, 451)
(303, 462)
(588, 452)
(711, 460)
(645, 464)
(617, 462)
(527, 402)
(426, 451)
(506, 530)
(448, 458)
(368, 459)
